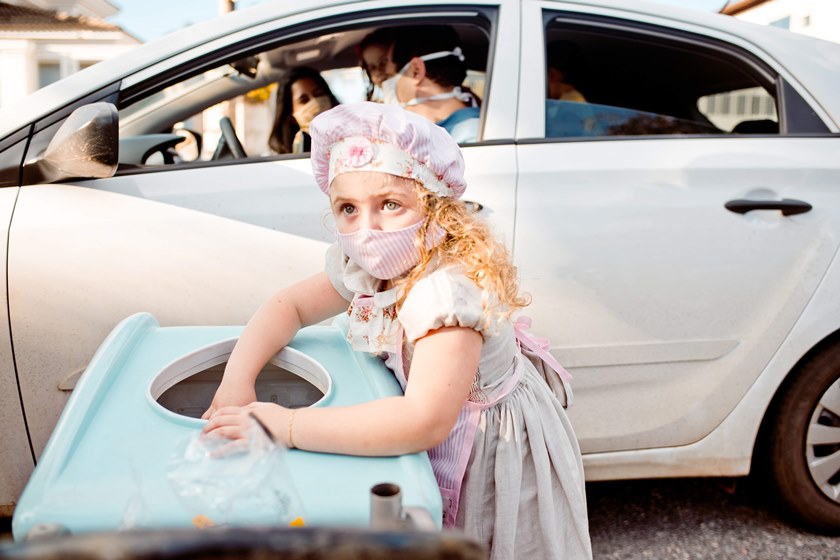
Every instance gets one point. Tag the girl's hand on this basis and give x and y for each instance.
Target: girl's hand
(234, 422)
(230, 395)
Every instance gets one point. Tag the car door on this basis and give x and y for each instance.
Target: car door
(207, 242)
(16, 460)
(658, 288)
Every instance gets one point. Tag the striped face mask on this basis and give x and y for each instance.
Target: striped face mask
(382, 254)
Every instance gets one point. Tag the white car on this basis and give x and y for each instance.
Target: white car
(678, 239)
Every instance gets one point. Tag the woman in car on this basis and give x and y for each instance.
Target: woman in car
(304, 95)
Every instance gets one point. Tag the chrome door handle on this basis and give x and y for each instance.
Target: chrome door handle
(788, 206)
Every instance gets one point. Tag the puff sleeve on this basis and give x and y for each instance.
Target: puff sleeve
(334, 264)
(444, 298)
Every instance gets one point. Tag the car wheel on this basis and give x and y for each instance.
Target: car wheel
(803, 444)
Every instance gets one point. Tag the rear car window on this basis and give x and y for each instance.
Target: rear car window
(616, 81)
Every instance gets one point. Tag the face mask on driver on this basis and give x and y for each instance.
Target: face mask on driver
(389, 86)
(310, 110)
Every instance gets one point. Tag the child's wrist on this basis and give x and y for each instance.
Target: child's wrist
(290, 439)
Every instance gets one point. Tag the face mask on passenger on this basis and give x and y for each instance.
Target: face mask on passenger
(389, 86)
(310, 110)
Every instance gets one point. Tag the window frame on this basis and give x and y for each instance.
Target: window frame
(484, 16)
(794, 113)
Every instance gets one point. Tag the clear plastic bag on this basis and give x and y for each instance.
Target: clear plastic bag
(243, 482)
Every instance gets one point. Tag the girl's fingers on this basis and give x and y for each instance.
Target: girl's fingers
(227, 417)
(232, 409)
(235, 422)
(233, 433)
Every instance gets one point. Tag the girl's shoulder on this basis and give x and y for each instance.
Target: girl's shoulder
(449, 277)
(445, 297)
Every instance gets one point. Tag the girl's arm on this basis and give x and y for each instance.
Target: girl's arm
(269, 330)
(442, 371)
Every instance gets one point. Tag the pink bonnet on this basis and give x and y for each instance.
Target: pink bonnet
(387, 138)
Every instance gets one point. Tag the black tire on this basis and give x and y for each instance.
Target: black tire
(801, 451)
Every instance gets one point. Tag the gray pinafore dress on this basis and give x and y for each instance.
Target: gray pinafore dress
(510, 472)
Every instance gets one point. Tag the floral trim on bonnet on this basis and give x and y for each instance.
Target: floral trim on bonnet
(356, 153)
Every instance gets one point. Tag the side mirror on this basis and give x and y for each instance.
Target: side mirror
(85, 146)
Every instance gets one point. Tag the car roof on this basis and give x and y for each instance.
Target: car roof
(812, 62)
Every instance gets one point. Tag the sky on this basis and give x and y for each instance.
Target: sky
(150, 19)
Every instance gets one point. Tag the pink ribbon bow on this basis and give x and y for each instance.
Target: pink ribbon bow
(539, 346)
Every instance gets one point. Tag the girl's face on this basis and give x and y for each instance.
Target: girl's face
(304, 90)
(378, 63)
(373, 200)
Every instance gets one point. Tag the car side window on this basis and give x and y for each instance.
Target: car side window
(11, 156)
(615, 80)
(251, 100)
(746, 110)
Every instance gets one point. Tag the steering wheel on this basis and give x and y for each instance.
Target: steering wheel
(229, 142)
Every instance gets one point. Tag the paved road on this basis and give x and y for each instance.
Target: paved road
(689, 519)
(693, 519)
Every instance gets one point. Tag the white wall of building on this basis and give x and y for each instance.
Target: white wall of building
(32, 59)
(817, 18)
(15, 57)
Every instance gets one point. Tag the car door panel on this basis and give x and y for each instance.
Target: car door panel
(278, 195)
(666, 306)
(281, 194)
(16, 460)
(491, 180)
(644, 278)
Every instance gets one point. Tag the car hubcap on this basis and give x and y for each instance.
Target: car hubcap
(822, 443)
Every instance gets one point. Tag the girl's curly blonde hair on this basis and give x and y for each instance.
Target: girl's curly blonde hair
(469, 242)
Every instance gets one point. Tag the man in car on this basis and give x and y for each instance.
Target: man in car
(566, 111)
(564, 68)
(429, 82)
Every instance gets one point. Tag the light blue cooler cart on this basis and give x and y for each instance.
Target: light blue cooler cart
(141, 397)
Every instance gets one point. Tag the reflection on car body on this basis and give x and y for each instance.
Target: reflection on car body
(701, 338)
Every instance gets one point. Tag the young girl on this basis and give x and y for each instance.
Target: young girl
(431, 292)
(375, 57)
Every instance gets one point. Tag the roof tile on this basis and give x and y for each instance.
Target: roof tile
(22, 18)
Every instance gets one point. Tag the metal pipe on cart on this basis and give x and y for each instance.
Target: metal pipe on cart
(387, 512)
